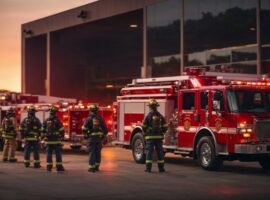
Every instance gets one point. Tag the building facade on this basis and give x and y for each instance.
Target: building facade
(92, 51)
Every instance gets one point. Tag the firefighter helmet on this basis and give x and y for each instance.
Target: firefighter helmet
(153, 103)
(31, 109)
(93, 108)
(53, 110)
(10, 111)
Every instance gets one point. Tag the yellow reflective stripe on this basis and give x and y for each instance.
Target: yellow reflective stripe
(36, 161)
(61, 129)
(8, 136)
(26, 161)
(31, 139)
(97, 134)
(58, 163)
(56, 133)
(160, 161)
(165, 125)
(33, 133)
(84, 128)
(154, 137)
(49, 163)
(52, 142)
(97, 164)
(92, 166)
(148, 161)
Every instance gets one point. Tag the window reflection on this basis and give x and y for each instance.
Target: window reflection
(218, 56)
(244, 54)
(265, 21)
(219, 33)
(163, 35)
(87, 58)
(35, 65)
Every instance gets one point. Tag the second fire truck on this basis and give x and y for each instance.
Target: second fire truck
(211, 117)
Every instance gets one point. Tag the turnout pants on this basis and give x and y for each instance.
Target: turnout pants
(57, 148)
(156, 144)
(94, 149)
(29, 146)
(9, 149)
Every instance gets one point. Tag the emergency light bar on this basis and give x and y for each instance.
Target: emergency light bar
(253, 83)
(159, 79)
(234, 76)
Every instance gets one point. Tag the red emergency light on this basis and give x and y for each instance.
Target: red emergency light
(253, 83)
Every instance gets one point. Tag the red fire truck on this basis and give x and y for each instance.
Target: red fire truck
(211, 117)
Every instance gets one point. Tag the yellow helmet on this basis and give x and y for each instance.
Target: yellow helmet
(53, 109)
(31, 109)
(153, 103)
(93, 107)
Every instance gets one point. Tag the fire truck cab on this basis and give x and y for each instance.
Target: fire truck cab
(210, 117)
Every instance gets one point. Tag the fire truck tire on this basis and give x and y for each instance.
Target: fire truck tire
(138, 148)
(265, 162)
(207, 155)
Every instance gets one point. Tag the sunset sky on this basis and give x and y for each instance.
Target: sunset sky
(13, 13)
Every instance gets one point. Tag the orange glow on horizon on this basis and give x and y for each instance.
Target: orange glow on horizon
(12, 15)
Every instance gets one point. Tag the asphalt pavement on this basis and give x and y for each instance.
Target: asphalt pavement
(121, 178)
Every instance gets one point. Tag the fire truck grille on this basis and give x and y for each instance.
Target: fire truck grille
(262, 127)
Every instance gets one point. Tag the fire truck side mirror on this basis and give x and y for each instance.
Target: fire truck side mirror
(216, 105)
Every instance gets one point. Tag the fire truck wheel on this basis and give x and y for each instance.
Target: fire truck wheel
(207, 154)
(138, 148)
(265, 162)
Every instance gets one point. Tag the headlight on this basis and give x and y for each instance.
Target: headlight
(245, 129)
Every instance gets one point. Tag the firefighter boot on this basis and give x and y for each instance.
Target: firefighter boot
(92, 170)
(49, 168)
(5, 159)
(97, 167)
(148, 168)
(13, 160)
(60, 168)
(26, 163)
(37, 165)
(161, 167)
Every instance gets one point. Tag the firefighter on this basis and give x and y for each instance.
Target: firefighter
(9, 134)
(154, 127)
(30, 130)
(95, 130)
(53, 133)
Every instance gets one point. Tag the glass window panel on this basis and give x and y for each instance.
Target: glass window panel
(188, 101)
(244, 54)
(245, 67)
(217, 24)
(195, 59)
(265, 21)
(266, 53)
(204, 100)
(92, 61)
(163, 36)
(218, 56)
(35, 64)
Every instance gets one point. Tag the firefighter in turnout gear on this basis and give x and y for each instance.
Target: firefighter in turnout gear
(30, 130)
(95, 130)
(154, 127)
(9, 134)
(53, 132)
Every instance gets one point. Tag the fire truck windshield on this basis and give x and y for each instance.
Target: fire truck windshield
(253, 101)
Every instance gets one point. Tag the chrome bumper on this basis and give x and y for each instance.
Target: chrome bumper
(252, 148)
